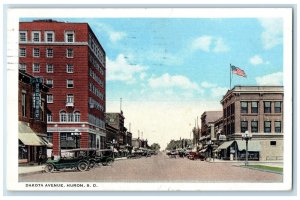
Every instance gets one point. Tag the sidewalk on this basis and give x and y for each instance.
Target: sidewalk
(31, 169)
(242, 162)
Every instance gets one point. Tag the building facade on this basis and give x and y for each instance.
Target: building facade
(116, 120)
(71, 61)
(258, 110)
(32, 115)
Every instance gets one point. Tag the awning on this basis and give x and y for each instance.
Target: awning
(47, 142)
(225, 145)
(253, 145)
(29, 137)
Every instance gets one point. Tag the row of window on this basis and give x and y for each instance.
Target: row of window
(36, 68)
(96, 121)
(229, 110)
(96, 65)
(95, 104)
(96, 78)
(70, 98)
(97, 50)
(65, 117)
(32, 105)
(69, 83)
(96, 91)
(267, 106)
(49, 36)
(254, 126)
(49, 52)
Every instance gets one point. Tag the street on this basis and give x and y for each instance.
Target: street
(159, 168)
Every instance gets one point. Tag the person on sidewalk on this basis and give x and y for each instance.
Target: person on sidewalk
(40, 158)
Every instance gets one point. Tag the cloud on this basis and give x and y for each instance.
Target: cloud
(218, 91)
(256, 60)
(168, 81)
(272, 32)
(207, 85)
(210, 44)
(121, 70)
(270, 79)
(202, 43)
(113, 35)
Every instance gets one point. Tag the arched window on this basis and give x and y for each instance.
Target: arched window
(63, 116)
(77, 116)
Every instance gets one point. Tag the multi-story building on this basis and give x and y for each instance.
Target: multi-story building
(71, 61)
(32, 118)
(258, 110)
(116, 120)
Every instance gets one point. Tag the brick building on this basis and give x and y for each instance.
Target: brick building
(71, 61)
(32, 109)
(116, 120)
(258, 110)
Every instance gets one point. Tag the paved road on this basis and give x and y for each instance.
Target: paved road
(159, 168)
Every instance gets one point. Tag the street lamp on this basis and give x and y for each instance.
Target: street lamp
(210, 143)
(113, 148)
(246, 136)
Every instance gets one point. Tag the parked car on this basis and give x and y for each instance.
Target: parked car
(74, 159)
(104, 157)
(195, 155)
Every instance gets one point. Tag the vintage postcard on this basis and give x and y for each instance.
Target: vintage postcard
(149, 99)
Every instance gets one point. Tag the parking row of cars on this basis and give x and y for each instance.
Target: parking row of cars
(80, 159)
(192, 155)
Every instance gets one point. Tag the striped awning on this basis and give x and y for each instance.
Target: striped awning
(28, 137)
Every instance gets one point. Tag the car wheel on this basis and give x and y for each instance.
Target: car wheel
(92, 164)
(82, 166)
(49, 168)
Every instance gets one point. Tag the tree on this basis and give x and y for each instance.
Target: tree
(155, 147)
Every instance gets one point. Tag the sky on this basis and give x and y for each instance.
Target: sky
(168, 71)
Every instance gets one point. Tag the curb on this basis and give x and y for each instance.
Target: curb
(262, 170)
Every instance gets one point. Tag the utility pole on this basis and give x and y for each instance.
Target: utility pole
(120, 105)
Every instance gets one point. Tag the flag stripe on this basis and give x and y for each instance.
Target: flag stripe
(238, 71)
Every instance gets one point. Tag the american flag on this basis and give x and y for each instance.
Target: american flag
(238, 71)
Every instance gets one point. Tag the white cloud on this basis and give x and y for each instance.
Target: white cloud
(210, 43)
(202, 43)
(207, 85)
(168, 81)
(218, 91)
(121, 70)
(220, 46)
(270, 79)
(272, 33)
(143, 75)
(113, 35)
(256, 60)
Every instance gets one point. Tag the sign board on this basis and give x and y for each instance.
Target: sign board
(36, 97)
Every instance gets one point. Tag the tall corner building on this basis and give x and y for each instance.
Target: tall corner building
(71, 61)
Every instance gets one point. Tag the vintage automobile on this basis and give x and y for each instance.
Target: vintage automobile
(195, 155)
(71, 159)
(103, 156)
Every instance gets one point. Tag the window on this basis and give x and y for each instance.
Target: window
(36, 67)
(49, 98)
(254, 107)
(62, 116)
(49, 68)
(22, 52)
(244, 107)
(49, 36)
(23, 104)
(70, 83)
(49, 117)
(69, 117)
(244, 126)
(49, 53)
(36, 52)
(254, 126)
(22, 67)
(36, 36)
(69, 36)
(267, 106)
(277, 126)
(77, 116)
(49, 137)
(277, 106)
(70, 98)
(273, 143)
(49, 83)
(23, 36)
(70, 53)
(267, 127)
(70, 68)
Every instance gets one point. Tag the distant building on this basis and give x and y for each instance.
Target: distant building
(32, 118)
(116, 120)
(258, 110)
(71, 61)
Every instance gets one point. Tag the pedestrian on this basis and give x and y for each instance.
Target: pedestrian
(52, 155)
(40, 158)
